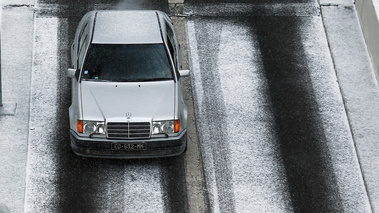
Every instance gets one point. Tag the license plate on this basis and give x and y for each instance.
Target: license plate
(128, 146)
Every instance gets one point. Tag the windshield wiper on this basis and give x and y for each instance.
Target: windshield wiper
(155, 79)
(98, 80)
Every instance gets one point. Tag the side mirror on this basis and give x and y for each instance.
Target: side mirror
(73, 73)
(184, 73)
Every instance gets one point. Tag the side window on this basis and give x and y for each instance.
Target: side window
(83, 43)
(171, 44)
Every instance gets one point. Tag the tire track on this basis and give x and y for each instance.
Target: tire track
(298, 112)
(311, 179)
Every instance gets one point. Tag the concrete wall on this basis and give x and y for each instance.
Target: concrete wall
(368, 11)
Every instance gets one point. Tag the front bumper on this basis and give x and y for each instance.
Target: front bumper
(155, 147)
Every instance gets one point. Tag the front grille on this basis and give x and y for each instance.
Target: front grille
(128, 130)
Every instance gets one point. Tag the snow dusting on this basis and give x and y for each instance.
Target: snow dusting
(41, 164)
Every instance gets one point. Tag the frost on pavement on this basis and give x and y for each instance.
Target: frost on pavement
(40, 171)
(247, 161)
(243, 173)
(256, 166)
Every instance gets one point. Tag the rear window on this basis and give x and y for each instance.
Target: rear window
(127, 62)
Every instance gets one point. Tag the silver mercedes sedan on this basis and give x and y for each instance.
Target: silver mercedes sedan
(127, 97)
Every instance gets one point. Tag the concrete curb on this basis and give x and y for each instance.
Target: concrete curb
(368, 11)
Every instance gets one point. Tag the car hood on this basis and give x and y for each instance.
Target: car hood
(116, 101)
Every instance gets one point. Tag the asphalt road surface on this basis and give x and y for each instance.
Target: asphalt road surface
(58, 180)
(272, 124)
(273, 130)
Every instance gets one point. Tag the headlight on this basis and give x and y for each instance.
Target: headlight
(90, 127)
(168, 127)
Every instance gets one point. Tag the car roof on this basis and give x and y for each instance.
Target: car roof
(127, 27)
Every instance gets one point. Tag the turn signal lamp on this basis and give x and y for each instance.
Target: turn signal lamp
(177, 126)
(80, 126)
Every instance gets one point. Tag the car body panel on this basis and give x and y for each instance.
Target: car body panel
(152, 100)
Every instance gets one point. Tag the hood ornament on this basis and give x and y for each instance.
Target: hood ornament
(128, 115)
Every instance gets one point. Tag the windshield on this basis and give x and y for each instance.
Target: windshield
(127, 62)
